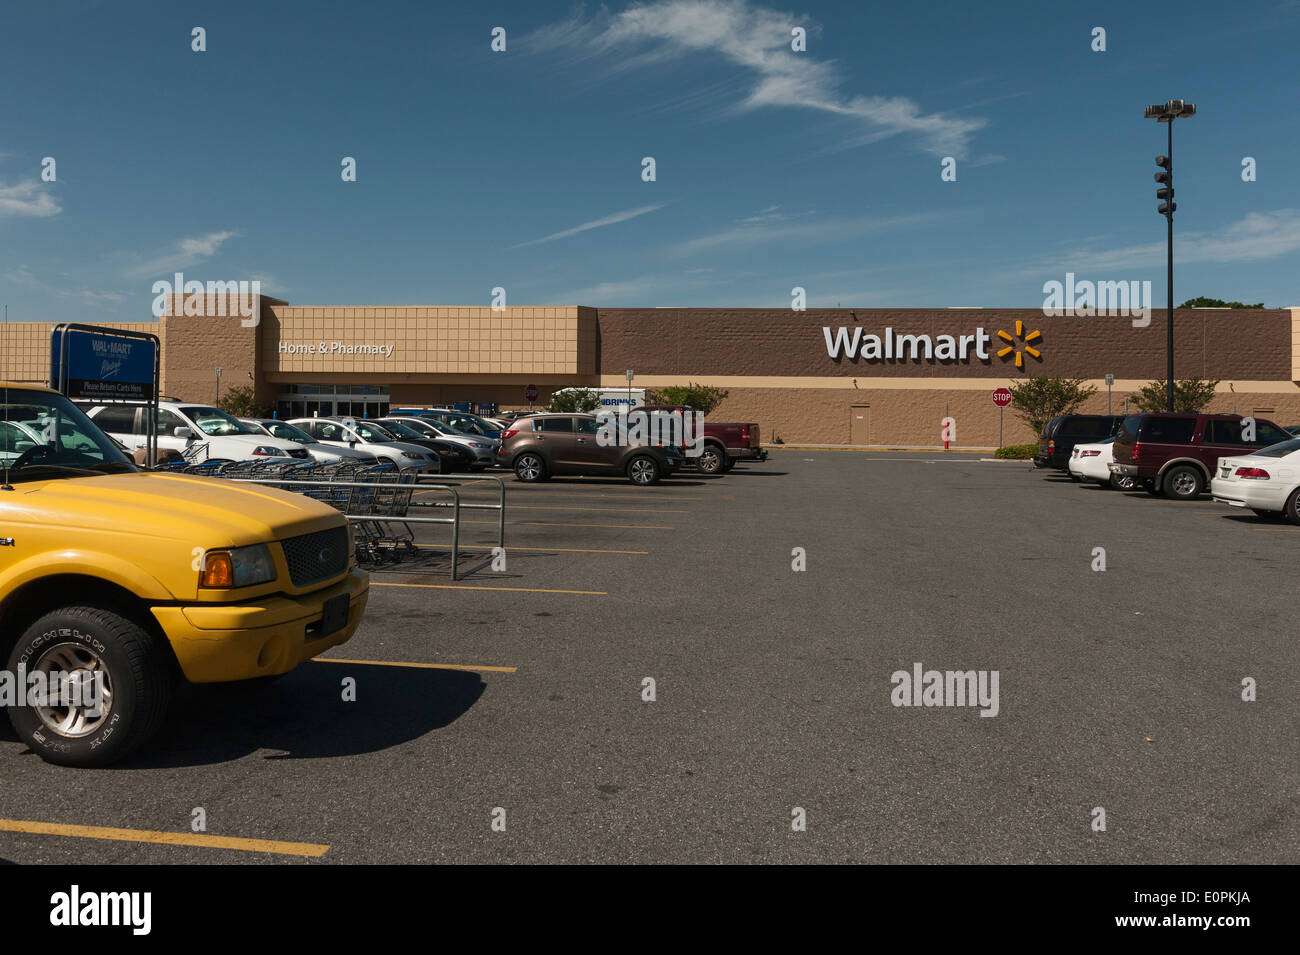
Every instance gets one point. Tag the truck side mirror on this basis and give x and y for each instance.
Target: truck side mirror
(181, 431)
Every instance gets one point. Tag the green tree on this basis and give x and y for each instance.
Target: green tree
(241, 401)
(1215, 303)
(703, 398)
(1038, 400)
(1190, 395)
(574, 401)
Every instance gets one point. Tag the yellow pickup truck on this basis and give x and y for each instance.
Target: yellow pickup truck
(117, 582)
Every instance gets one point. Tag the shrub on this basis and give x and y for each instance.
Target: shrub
(703, 398)
(1190, 395)
(1016, 452)
(241, 402)
(574, 401)
(1038, 400)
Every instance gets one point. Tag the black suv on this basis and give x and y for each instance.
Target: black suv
(1063, 432)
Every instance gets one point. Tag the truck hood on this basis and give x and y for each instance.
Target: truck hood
(209, 512)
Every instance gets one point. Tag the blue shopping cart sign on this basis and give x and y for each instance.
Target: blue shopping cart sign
(94, 364)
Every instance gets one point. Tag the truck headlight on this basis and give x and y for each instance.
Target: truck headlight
(237, 567)
(267, 451)
(413, 455)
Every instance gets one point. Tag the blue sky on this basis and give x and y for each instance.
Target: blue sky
(522, 169)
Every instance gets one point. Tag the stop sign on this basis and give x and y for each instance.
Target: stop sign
(530, 393)
(1002, 397)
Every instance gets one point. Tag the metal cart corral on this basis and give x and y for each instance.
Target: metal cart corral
(377, 501)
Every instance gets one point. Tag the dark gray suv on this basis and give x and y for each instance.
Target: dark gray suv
(541, 446)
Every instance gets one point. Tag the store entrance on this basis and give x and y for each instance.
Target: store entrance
(324, 401)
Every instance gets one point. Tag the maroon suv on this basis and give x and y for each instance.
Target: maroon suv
(1176, 454)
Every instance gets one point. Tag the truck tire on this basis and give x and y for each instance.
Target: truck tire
(712, 459)
(728, 464)
(1183, 482)
(137, 685)
(643, 470)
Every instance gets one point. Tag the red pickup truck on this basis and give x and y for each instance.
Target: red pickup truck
(724, 444)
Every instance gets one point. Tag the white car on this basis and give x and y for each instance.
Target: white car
(196, 430)
(324, 453)
(1267, 481)
(1091, 462)
(362, 435)
(483, 449)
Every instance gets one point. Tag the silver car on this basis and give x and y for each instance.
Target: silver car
(362, 435)
(324, 453)
(483, 449)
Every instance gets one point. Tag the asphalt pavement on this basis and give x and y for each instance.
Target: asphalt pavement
(504, 717)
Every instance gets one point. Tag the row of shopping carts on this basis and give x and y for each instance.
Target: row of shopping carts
(374, 497)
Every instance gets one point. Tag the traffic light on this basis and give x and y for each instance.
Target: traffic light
(1165, 177)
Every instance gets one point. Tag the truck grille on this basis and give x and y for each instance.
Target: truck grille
(316, 557)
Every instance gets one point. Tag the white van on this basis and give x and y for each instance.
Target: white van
(195, 430)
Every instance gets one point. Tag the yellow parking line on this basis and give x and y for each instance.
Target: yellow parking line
(166, 838)
(417, 666)
(564, 550)
(635, 527)
(529, 590)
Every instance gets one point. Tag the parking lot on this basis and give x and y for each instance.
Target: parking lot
(522, 690)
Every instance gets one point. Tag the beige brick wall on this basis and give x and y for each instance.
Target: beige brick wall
(461, 341)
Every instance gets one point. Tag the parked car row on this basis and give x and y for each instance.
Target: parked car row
(1242, 461)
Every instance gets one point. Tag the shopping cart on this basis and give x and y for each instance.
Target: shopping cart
(380, 532)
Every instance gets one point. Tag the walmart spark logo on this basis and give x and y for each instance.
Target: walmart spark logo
(1024, 348)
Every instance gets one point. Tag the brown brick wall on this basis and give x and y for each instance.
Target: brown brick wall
(910, 417)
(1237, 344)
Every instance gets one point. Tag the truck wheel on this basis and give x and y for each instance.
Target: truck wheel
(530, 467)
(643, 470)
(1183, 483)
(728, 464)
(91, 644)
(712, 460)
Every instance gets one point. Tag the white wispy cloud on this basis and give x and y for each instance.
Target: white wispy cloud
(1258, 235)
(749, 234)
(184, 253)
(593, 224)
(757, 40)
(28, 199)
(23, 275)
(612, 293)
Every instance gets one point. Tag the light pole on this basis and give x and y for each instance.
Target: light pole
(629, 389)
(1167, 113)
(1110, 380)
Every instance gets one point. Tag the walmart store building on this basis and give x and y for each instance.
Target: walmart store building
(879, 376)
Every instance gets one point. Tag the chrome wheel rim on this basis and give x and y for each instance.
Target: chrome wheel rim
(80, 665)
(1184, 484)
(642, 471)
(529, 468)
